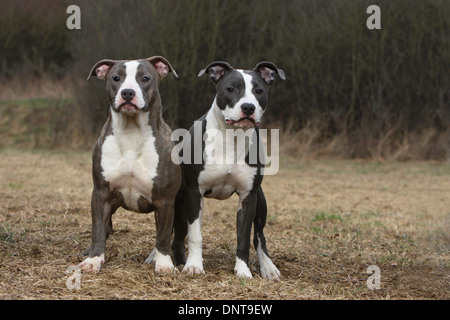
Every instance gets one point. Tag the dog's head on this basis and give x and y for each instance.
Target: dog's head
(132, 86)
(242, 95)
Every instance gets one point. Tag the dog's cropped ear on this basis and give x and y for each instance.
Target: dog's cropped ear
(268, 71)
(162, 66)
(216, 70)
(101, 69)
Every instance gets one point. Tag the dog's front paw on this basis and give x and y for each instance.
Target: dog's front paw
(163, 263)
(166, 269)
(193, 266)
(92, 264)
(191, 270)
(241, 269)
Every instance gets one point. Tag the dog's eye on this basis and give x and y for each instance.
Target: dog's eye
(259, 91)
(230, 89)
(116, 78)
(145, 79)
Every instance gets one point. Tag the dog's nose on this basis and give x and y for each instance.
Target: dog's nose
(128, 94)
(248, 109)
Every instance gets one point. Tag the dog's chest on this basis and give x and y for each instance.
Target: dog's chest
(129, 163)
(220, 181)
(225, 171)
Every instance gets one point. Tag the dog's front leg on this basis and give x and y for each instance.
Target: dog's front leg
(245, 215)
(164, 212)
(194, 263)
(101, 212)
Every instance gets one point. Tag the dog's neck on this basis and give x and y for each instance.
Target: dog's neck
(123, 123)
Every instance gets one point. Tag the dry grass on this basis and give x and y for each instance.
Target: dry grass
(393, 142)
(24, 87)
(328, 221)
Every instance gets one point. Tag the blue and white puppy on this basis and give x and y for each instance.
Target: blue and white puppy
(131, 163)
(225, 168)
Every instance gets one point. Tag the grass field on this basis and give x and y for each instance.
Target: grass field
(328, 222)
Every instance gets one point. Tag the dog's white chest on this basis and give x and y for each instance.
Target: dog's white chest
(226, 171)
(220, 181)
(129, 163)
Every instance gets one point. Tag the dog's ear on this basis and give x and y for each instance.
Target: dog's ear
(162, 66)
(101, 69)
(268, 71)
(216, 70)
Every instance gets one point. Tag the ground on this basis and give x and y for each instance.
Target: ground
(328, 221)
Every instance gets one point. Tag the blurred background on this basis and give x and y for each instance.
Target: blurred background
(350, 92)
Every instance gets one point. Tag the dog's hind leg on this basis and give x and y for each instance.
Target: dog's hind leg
(180, 228)
(267, 268)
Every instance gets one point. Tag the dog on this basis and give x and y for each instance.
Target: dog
(239, 104)
(131, 162)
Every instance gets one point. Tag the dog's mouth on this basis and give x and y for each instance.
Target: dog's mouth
(128, 107)
(244, 122)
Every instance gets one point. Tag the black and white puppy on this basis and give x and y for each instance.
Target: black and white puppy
(226, 168)
(131, 163)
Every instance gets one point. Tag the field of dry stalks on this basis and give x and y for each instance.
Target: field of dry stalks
(328, 222)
